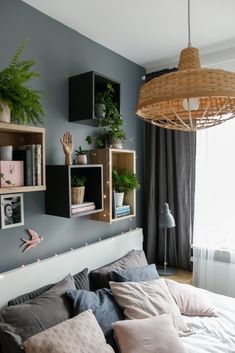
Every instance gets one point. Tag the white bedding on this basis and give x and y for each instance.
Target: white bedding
(213, 335)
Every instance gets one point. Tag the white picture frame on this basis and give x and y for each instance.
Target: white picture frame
(12, 210)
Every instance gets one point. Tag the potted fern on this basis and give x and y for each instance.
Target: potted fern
(18, 101)
(123, 181)
(77, 189)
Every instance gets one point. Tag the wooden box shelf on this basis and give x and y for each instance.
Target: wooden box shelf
(58, 194)
(19, 135)
(83, 89)
(120, 159)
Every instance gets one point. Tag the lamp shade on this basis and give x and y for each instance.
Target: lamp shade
(166, 219)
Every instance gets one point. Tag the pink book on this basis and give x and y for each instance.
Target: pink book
(83, 209)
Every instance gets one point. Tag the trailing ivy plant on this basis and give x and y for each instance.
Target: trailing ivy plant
(23, 100)
(124, 180)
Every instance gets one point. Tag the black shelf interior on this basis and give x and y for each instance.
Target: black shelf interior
(83, 89)
(58, 193)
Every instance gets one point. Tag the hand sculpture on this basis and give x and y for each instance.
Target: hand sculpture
(67, 143)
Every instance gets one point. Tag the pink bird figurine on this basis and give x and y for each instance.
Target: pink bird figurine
(34, 240)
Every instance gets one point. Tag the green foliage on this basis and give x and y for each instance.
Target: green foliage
(77, 181)
(80, 151)
(23, 101)
(112, 120)
(124, 180)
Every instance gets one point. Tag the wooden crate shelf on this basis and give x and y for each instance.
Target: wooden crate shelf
(58, 194)
(120, 159)
(19, 135)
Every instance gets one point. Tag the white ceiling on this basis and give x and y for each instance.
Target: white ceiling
(148, 32)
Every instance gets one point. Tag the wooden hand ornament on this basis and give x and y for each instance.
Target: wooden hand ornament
(67, 143)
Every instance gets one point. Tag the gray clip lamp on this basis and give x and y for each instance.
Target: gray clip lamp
(166, 221)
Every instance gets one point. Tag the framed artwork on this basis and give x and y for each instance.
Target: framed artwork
(12, 210)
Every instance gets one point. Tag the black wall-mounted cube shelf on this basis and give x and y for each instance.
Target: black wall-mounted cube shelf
(58, 193)
(83, 90)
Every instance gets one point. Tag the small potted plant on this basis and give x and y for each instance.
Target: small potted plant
(123, 181)
(81, 155)
(77, 189)
(18, 101)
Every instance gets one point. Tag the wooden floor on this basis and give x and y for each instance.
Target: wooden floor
(181, 276)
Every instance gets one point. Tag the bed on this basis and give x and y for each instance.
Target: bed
(211, 334)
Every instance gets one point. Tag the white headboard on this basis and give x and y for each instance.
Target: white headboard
(53, 269)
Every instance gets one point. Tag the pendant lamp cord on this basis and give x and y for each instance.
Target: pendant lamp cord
(189, 26)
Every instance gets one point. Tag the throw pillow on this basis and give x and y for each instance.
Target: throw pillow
(19, 322)
(190, 300)
(99, 278)
(81, 280)
(103, 306)
(77, 335)
(153, 335)
(137, 274)
(141, 300)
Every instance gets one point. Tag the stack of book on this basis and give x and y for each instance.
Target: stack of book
(122, 211)
(31, 155)
(82, 207)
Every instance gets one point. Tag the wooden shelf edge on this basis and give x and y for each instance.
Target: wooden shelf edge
(86, 213)
(9, 127)
(20, 189)
(122, 218)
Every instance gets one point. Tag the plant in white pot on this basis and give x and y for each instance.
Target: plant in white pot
(123, 181)
(81, 155)
(77, 189)
(18, 101)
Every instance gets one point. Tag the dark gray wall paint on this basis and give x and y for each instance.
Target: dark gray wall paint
(59, 53)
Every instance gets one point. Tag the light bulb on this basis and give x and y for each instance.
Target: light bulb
(191, 103)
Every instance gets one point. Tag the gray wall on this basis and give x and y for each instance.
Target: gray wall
(59, 53)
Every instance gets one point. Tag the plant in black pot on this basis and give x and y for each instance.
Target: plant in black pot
(18, 101)
(123, 181)
(81, 155)
(77, 189)
(110, 118)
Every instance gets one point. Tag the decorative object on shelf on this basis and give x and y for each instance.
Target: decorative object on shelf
(191, 98)
(77, 189)
(31, 243)
(166, 221)
(82, 207)
(12, 173)
(111, 120)
(12, 210)
(6, 153)
(68, 147)
(17, 99)
(123, 181)
(81, 155)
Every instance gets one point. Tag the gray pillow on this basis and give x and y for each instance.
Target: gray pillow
(99, 278)
(19, 322)
(103, 306)
(81, 281)
(137, 274)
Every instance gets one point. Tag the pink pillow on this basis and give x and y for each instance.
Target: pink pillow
(190, 300)
(153, 335)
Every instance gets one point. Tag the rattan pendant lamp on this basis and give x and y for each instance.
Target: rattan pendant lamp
(191, 98)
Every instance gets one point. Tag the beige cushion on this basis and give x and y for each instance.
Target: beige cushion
(77, 335)
(145, 299)
(153, 335)
(190, 300)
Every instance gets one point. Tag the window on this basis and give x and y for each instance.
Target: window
(214, 224)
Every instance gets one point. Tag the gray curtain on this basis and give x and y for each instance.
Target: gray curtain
(169, 177)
